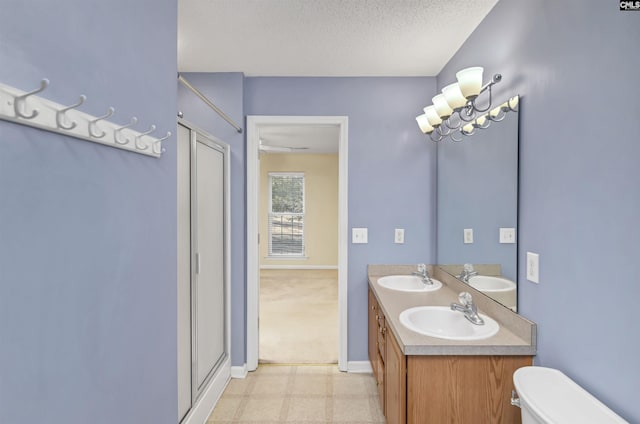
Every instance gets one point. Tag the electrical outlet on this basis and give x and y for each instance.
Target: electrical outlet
(507, 235)
(399, 236)
(468, 235)
(533, 267)
(359, 236)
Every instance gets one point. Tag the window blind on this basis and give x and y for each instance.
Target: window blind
(286, 214)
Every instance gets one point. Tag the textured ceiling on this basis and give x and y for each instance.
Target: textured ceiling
(324, 37)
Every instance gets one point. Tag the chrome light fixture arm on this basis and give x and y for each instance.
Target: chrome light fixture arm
(453, 138)
(499, 116)
(444, 130)
(438, 138)
(496, 79)
(467, 113)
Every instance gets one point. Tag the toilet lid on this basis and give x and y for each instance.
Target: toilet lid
(555, 398)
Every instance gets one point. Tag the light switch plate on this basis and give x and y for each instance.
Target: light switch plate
(468, 235)
(533, 267)
(359, 236)
(507, 235)
(399, 236)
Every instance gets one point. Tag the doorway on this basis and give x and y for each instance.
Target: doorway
(256, 125)
(298, 300)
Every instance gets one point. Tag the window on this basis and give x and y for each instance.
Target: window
(286, 214)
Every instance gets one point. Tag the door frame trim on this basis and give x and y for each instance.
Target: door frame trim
(253, 228)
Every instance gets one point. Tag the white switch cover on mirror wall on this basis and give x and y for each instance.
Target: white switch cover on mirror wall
(533, 267)
(468, 235)
(507, 235)
(399, 236)
(359, 236)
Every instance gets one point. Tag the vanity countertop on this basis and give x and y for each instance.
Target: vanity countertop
(517, 335)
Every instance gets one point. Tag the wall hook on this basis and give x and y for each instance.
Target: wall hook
(19, 101)
(139, 146)
(60, 115)
(157, 145)
(116, 133)
(92, 124)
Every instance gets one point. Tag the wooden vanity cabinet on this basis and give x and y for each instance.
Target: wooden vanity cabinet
(373, 332)
(423, 389)
(388, 363)
(376, 332)
(395, 382)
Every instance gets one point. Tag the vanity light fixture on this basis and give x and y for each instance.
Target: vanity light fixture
(455, 111)
(496, 114)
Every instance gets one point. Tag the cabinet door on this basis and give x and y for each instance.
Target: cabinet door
(395, 379)
(382, 331)
(462, 389)
(373, 334)
(380, 383)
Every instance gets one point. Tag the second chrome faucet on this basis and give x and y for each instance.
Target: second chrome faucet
(467, 272)
(424, 274)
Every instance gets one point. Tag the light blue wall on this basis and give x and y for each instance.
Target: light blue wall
(576, 64)
(226, 91)
(391, 169)
(88, 232)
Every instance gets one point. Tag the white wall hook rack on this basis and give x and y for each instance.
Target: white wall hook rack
(26, 108)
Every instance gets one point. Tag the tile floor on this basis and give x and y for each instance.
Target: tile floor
(310, 394)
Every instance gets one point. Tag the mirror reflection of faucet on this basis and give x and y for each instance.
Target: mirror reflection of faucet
(468, 308)
(467, 272)
(424, 274)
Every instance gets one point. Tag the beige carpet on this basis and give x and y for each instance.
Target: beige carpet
(298, 316)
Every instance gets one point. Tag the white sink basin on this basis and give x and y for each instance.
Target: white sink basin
(443, 323)
(408, 283)
(497, 288)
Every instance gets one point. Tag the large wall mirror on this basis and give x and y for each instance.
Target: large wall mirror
(477, 197)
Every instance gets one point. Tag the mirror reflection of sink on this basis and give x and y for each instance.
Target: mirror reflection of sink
(497, 288)
(409, 283)
(488, 283)
(443, 323)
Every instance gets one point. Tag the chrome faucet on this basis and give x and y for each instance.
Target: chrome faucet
(422, 273)
(467, 272)
(468, 308)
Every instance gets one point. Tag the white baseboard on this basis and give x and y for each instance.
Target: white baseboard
(298, 266)
(204, 406)
(359, 367)
(352, 366)
(239, 372)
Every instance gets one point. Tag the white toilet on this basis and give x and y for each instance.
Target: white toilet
(548, 396)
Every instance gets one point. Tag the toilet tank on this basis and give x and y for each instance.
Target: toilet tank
(548, 396)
